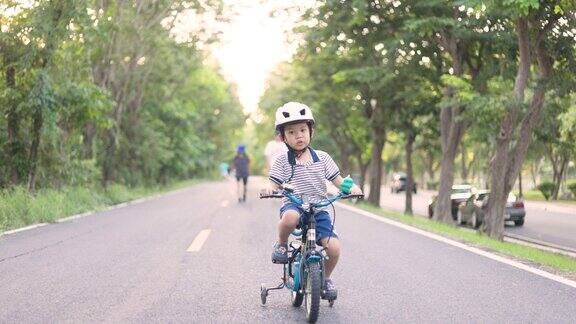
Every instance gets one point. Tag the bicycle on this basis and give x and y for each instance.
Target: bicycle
(304, 279)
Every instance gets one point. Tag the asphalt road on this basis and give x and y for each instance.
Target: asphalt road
(549, 222)
(132, 265)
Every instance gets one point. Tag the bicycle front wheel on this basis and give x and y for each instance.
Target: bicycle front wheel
(312, 292)
(297, 298)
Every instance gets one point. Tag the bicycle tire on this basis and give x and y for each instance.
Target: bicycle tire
(312, 292)
(297, 298)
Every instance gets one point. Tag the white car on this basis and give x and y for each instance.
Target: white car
(459, 194)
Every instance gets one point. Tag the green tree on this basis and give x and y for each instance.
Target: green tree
(75, 72)
(559, 146)
(452, 29)
(542, 41)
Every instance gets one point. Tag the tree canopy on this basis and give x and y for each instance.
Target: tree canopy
(461, 84)
(102, 91)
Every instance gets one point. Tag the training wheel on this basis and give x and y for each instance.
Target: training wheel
(263, 293)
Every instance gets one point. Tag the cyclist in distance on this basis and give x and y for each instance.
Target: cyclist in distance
(241, 165)
(306, 170)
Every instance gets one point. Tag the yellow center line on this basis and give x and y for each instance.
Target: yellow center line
(199, 241)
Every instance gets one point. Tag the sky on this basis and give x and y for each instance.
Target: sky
(252, 44)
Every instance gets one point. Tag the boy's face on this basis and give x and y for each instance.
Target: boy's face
(297, 136)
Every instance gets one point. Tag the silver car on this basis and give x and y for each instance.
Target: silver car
(472, 210)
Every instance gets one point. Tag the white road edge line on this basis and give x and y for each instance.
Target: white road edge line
(199, 241)
(22, 229)
(436, 237)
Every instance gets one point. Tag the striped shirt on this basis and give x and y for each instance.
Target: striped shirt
(309, 178)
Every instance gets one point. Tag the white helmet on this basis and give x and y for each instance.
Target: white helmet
(293, 112)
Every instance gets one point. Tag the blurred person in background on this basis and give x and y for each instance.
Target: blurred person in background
(274, 148)
(241, 166)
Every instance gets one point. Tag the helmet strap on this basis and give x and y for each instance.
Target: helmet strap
(297, 153)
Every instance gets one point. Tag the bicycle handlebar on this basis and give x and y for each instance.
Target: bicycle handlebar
(274, 195)
(293, 198)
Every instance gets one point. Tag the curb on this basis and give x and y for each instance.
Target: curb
(546, 246)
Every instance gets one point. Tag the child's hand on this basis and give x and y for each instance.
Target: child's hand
(266, 192)
(355, 190)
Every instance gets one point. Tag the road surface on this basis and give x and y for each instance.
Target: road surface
(138, 264)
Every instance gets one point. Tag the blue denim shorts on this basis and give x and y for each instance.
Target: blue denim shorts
(324, 225)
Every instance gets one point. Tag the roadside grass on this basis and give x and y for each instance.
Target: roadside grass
(18, 208)
(537, 195)
(522, 252)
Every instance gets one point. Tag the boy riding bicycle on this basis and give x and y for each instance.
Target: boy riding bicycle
(306, 170)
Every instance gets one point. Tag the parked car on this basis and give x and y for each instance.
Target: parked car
(459, 194)
(473, 210)
(399, 183)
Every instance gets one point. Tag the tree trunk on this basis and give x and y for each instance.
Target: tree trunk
(89, 133)
(520, 193)
(497, 201)
(130, 150)
(506, 163)
(559, 172)
(443, 207)
(363, 170)
(430, 167)
(555, 173)
(494, 219)
(554, 161)
(534, 171)
(376, 167)
(109, 153)
(13, 161)
(410, 137)
(376, 116)
(162, 175)
(33, 157)
(464, 174)
(451, 132)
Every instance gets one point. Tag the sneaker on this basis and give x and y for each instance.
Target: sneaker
(280, 253)
(329, 291)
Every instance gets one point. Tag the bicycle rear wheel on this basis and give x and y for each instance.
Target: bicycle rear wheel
(312, 292)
